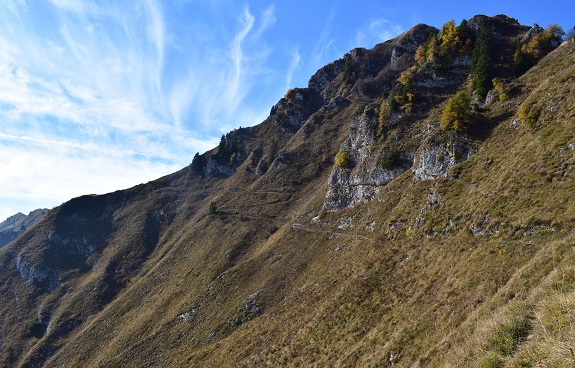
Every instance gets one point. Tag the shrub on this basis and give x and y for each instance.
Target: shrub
(359, 111)
(390, 160)
(213, 209)
(529, 53)
(509, 335)
(501, 88)
(570, 36)
(457, 115)
(491, 361)
(528, 114)
(342, 159)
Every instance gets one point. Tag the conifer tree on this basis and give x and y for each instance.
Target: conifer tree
(457, 114)
(481, 61)
(466, 36)
(449, 40)
(198, 163)
(347, 68)
(431, 48)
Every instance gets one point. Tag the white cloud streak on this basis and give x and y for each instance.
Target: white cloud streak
(324, 43)
(377, 31)
(294, 64)
(236, 54)
(88, 105)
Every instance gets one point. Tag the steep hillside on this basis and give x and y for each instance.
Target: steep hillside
(356, 226)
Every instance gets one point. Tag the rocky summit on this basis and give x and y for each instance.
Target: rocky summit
(411, 207)
(17, 224)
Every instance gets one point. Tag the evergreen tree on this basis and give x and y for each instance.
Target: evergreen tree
(431, 48)
(347, 68)
(482, 59)
(222, 146)
(198, 163)
(466, 36)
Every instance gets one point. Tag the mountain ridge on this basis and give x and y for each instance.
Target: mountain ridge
(16, 224)
(390, 273)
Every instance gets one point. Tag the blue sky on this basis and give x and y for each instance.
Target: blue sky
(100, 95)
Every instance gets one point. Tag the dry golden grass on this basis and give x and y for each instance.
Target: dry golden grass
(481, 277)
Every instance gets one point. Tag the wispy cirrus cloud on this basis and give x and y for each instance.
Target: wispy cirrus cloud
(96, 96)
(294, 64)
(376, 31)
(324, 42)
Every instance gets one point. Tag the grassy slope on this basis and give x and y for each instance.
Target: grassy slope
(400, 279)
(502, 297)
(363, 294)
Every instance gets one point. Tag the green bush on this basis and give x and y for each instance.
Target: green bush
(390, 160)
(359, 111)
(509, 335)
(491, 361)
(501, 88)
(213, 209)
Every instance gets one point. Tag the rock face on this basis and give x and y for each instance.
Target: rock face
(297, 105)
(40, 275)
(323, 77)
(436, 159)
(213, 169)
(15, 225)
(365, 175)
(535, 30)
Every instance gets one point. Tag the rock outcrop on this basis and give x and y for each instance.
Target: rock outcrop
(435, 159)
(214, 169)
(297, 105)
(365, 174)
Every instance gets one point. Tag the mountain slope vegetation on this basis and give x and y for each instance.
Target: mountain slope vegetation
(348, 229)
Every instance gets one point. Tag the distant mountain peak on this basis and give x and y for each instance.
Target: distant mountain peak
(16, 224)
